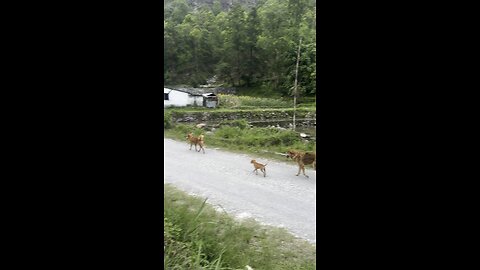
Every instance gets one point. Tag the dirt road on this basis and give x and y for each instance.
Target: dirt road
(280, 199)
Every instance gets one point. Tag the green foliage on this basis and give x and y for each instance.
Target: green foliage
(306, 70)
(258, 91)
(240, 123)
(232, 101)
(242, 46)
(235, 136)
(198, 237)
(229, 101)
(181, 131)
(167, 120)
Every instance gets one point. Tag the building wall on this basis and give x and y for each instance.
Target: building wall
(176, 98)
(195, 100)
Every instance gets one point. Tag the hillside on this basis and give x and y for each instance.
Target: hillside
(252, 45)
(224, 4)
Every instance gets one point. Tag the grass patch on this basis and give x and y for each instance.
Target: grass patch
(192, 109)
(196, 236)
(258, 91)
(234, 101)
(237, 137)
(167, 120)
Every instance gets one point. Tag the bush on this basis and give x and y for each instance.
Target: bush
(258, 136)
(181, 130)
(241, 123)
(231, 101)
(196, 236)
(234, 135)
(228, 132)
(167, 120)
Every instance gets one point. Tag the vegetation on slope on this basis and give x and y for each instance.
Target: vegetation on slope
(237, 136)
(243, 45)
(196, 236)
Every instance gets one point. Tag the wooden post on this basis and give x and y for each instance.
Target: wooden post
(295, 85)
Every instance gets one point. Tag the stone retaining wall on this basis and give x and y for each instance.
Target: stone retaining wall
(197, 117)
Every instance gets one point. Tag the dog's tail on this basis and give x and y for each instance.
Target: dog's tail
(265, 164)
(201, 137)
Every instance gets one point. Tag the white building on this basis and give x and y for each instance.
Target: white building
(184, 97)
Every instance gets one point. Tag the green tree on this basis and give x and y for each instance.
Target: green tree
(232, 64)
(252, 33)
(274, 42)
(242, 46)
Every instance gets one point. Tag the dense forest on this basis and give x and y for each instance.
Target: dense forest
(249, 43)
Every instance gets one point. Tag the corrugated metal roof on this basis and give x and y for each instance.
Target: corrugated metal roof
(201, 91)
(191, 91)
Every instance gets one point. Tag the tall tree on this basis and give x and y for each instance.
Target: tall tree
(274, 42)
(252, 33)
(235, 36)
(242, 45)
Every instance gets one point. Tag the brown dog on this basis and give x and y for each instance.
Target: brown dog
(302, 159)
(259, 166)
(200, 141)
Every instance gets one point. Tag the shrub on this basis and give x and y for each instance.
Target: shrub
(235, 136)
(228, 132)
(228, 101)
(240, 123)
(199, 237)
(264, 102)
(181, 130)
(231, 101)
(167, 120)
(289, 137)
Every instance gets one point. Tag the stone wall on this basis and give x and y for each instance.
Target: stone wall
(216, 116)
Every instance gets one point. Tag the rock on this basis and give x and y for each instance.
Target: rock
(303, 135)
(202, 125)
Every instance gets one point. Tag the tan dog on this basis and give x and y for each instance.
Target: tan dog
(200, 141)
(259, 166)
(302, 159)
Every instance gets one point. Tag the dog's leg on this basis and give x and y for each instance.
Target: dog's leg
(303, 169)
(264, 172)
(299, 168)
(190, 146)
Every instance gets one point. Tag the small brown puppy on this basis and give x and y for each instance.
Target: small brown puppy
(196, 141)
(259, 166)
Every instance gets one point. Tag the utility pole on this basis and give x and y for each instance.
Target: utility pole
(295, 85)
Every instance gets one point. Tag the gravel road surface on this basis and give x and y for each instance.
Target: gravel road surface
(280, 199)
